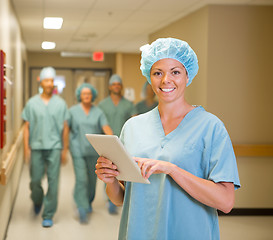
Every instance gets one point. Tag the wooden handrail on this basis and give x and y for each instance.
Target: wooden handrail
(252, 150)
(8, 163)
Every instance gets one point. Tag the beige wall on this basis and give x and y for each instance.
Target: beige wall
(240, 71)
(129, 65)
(11, 43)
(42, 59)
(234, 48)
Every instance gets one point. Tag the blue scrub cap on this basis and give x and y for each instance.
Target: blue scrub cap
(168, 48)
(47, 72)
(86, 85)
(115, 78)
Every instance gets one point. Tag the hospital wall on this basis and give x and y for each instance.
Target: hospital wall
(235, 82)
(128, 66)
(12, 44)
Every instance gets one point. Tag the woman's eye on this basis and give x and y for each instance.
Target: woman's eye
(157, 73)
(176, 72)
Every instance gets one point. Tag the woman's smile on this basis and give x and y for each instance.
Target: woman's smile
(167, 90)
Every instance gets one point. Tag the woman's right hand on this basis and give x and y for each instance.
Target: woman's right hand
(106, 170)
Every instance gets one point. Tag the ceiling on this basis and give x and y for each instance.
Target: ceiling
(104, 25)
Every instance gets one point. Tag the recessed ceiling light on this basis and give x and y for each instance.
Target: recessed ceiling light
(53, 22)
(48, 45)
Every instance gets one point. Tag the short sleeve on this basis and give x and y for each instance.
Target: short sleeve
(103, 120)
(69, 120)
(223, 166)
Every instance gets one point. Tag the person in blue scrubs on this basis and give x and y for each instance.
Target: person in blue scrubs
(117, 110)
(185, 152)
(85, 118)
(149, 102)
(45, 144)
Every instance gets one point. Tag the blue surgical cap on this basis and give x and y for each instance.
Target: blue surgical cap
(47, 72)
(86, 85)
(115, 78)
(168, 48)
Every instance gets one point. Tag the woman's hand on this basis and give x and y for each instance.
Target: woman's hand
(151, 166)
(106, 170)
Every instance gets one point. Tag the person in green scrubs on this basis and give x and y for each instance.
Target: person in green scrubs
(149, 102)
(85, 118)
(117, 110)
(45, 144)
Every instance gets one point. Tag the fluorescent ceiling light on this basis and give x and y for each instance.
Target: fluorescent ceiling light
(75, 54)
(53, 22)
(48, 45)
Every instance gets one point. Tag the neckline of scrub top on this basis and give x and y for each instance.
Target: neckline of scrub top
(81, 107)
(118, 102)
(43, 100)
(186, 118)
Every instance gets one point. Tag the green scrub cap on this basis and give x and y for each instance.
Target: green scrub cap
(86, 85)
(115, 78)
(168, 48)
(47, 72)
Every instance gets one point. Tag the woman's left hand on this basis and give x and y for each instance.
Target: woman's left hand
(151, 166)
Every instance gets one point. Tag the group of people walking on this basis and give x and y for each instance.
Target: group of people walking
(48, 123)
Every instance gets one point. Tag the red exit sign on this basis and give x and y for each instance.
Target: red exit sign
(98, 56)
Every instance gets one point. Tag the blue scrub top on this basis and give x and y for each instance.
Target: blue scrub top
(81, 124)
(45, 122)
(117, 115)
(142, 107)
(162, 209)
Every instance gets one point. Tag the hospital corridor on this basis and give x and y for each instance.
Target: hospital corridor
(186, 85)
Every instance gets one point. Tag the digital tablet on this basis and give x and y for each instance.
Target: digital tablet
(110, 146)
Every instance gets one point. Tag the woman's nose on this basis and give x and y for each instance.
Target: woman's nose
(165, 78)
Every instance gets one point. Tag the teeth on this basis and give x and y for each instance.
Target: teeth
(167, 89)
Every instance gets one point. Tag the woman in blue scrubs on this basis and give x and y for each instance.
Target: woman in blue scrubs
(185, 152)
(85, 118)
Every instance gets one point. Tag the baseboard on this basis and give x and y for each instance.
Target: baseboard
(248, 212)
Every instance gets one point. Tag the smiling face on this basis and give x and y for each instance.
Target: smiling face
(169, 79)
(115, 88)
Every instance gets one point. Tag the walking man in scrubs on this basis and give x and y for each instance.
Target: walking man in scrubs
(45, 144)
(117, 110)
